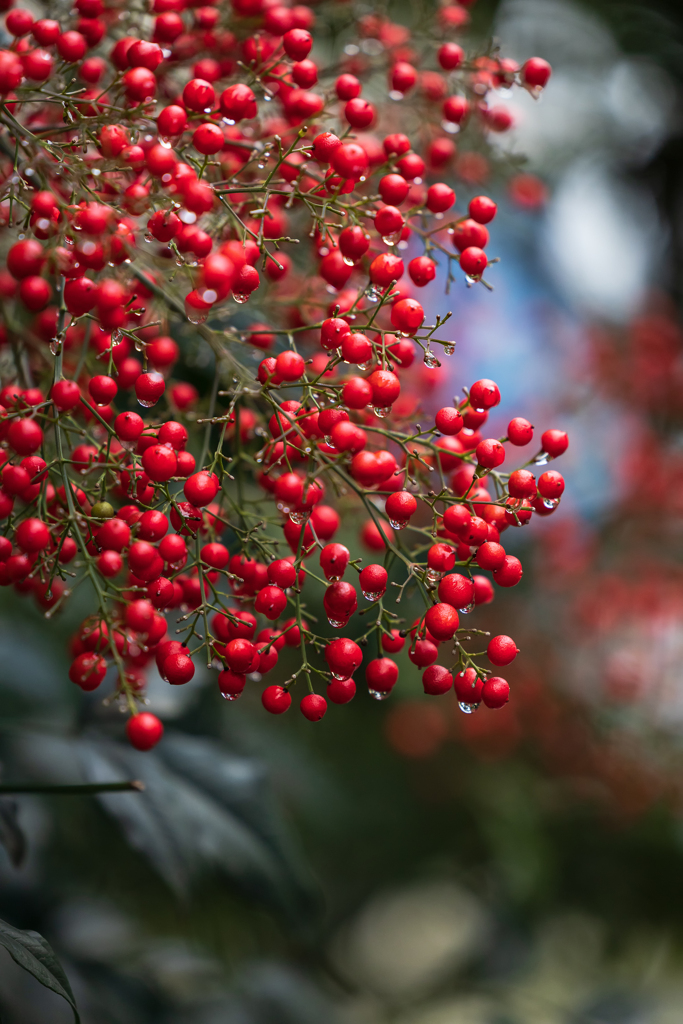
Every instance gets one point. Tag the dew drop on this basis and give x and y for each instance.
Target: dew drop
(147, 403)
(542, 459)
(393, 238)
(337, 623)
(300, 515)
(398, 524)
(240, 297)
(448, 350)
(468, 608)
(373, 595)
(467, 709)
(379, 694)
(430, 359)
(231, 696)
(381, 411)
(349, 262)
(551, 502)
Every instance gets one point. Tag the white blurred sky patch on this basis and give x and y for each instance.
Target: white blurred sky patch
(601, 113)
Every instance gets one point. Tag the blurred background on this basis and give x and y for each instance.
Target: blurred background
(402, 863)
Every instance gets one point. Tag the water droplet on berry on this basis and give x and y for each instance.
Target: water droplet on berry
(379, 694)
(373, 595)
(300, 515)
(241, 297)
(231, 696)
(467, 709)
(542, 459)
(433, 575)
(393, 238)
(551, 502)
(195, 317)
(381, 410)
(337, 623)
(468, 608)
(398, 524)
(147, 403)
(349, 262)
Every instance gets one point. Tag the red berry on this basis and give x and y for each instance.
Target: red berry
(501, 650)
(393, 189)
(400, 506)
(450, 56)
(495, 692)
(198, 95)
(144, 731)
(468, 687)
(554, 442)
(102, 389)
(510, 572)
(201, 488)
(449, 421)
(276, 699)
(88, 670)
(484, 394)
(440, 197)
(422, 270)
(490, 555)
(341, 691)
(32, 535)
(482, 209)
(373, 581)
(490, 453)
(66, 395)
(473, 261)
(271, 602)
(407, 315)
(359, 113)
(381, 675)
(177, 668)
(231, 684)
(437, 680)
(313, 707)
(520, 431)
(457, 591)
(149, 387)
(442, 621)
(159, 463)
(297, 43)
(551, 485)
(536, 72)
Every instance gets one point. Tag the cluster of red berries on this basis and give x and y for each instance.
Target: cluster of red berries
(169, 184)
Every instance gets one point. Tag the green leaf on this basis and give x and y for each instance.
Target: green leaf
(202, 808)
(32, 952)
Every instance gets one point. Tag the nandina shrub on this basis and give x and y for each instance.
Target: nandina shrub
(211, 185)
